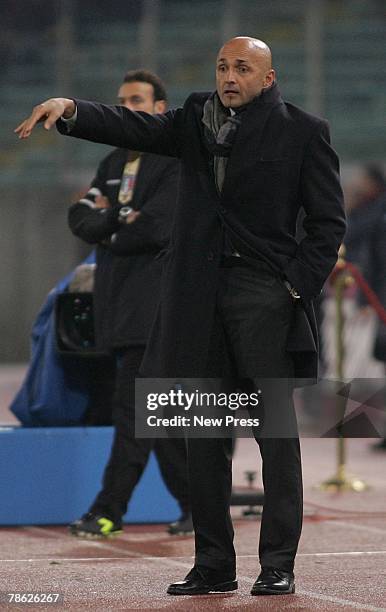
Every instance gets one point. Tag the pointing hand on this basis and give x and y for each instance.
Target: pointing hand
(49, 112)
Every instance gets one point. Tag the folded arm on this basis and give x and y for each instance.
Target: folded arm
(88, 218)
(150, 232)
(93, 225)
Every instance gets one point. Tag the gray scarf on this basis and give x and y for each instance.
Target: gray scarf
(220, 132)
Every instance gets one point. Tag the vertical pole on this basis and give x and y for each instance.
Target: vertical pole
(339, 482)
(148, 34)
(341, 450)
(314, 47)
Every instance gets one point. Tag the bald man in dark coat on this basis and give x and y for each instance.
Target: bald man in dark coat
(238, 287)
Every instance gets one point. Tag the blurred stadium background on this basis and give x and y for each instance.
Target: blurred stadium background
(330, 56)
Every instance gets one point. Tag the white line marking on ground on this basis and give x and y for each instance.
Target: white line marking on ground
(135, 554)
(339, 601)
(75, 559)
(328, 554)
(106, 546)
(349, 552)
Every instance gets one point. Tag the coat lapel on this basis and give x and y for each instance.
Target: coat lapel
(249, 138)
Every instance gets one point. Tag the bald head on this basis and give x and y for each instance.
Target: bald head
(244, 69)
(256, 49)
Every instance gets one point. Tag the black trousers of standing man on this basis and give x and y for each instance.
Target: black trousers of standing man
(255, 310)
(129, 455)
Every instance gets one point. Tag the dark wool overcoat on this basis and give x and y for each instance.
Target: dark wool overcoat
(281, 160)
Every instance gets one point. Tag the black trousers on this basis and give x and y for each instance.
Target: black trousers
(129, 455)
(255, 310)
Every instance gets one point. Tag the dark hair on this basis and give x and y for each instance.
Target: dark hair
(145, 76)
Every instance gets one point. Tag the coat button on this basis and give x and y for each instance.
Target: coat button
(210, 256)
(223, 210)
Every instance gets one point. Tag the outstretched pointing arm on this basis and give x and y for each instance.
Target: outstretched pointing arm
(113, 125)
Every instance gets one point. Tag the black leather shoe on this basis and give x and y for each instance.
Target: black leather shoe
(203, 581)
(274, 582)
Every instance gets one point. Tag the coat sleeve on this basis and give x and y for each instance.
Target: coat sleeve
(89, 223)
(324, 222)
(121, 127)
(151, 230)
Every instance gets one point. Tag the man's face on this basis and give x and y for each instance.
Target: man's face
(138, 96)
(242, 71)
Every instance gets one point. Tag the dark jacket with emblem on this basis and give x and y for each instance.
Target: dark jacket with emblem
(281, 160)
(128, 272)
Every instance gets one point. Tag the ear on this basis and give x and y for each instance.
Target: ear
(160, 106)
(269, 78)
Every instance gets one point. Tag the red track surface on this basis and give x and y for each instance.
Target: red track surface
(341, 563)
